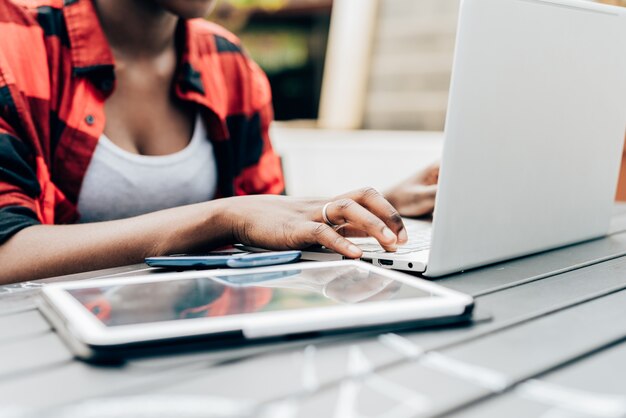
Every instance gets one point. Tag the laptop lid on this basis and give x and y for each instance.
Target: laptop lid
(534, 133)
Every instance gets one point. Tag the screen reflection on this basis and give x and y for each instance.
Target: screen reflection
(215, 296)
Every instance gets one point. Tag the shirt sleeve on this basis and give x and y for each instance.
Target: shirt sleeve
(19, 186)
(265, 175)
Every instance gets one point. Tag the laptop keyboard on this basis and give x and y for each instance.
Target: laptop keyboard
(419, 240)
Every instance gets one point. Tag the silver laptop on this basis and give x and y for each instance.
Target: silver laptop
(533, 138)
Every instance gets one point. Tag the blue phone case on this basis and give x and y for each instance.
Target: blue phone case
(264, 259)
(234, 261)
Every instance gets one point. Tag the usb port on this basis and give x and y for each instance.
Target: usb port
(367, 260)
(386, 262)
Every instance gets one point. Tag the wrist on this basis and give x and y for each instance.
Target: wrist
(222, 217)
(197, 227)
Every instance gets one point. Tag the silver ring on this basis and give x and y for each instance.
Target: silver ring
(327, 221)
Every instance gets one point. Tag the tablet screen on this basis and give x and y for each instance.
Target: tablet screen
(215, 296)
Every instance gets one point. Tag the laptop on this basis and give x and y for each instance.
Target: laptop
(533, 137)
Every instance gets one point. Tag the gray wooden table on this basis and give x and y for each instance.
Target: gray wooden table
(554, 347)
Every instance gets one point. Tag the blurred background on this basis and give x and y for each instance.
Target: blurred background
(338, 66)
(404, 74)
(288, 38)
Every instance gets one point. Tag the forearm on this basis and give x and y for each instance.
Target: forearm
(51, 250)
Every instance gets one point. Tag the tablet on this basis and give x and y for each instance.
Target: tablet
(108, 319)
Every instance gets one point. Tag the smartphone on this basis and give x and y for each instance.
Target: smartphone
(232, 260)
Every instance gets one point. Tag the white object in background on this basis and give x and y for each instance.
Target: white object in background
(347, 62)
(320, 162)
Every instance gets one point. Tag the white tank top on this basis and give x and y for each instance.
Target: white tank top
(119, 184)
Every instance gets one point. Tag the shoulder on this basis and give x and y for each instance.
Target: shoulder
(29, 12)
(209, 34)
(244, 79)
(15, 12)
(23, 48)
(28, 22)
(46, 15)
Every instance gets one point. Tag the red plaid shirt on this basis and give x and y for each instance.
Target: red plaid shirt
(57, 70)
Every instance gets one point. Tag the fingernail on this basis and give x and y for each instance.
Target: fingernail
(388, 234)
(403, 236)
(354, 250)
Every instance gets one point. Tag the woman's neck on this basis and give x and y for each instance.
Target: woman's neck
(137, 29)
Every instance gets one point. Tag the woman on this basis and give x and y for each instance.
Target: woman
(105, 111)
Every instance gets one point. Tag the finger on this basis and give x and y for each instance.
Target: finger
(350, 231)
(423, 192)
(347, 211)
(432, 174)
(419, 201)
(325, 235)
(428, 175)
(376, 203)
(416, 210)
(416, 194)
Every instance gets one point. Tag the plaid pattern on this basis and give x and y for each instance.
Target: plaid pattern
(57, 70)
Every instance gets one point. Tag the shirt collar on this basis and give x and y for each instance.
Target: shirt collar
(199, 78)
(92, 57)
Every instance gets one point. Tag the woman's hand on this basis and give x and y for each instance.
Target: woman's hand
(278, 222)
(416, 195)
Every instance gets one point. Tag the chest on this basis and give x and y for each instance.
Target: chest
(143, 116)
(120, 184)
